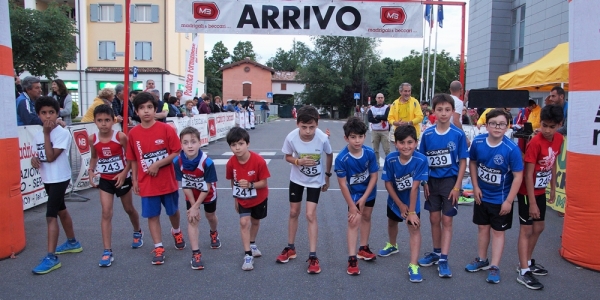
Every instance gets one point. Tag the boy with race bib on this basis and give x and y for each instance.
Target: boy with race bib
(356, 168)
(540, 169)
(198, 177)
(52, 147)
(108, 161)
(403, 172)
(248, 173)
(496, 169)
(308, 149)
(445, 146)
(152, 147)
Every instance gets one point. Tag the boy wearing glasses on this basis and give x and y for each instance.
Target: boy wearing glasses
(496, 170)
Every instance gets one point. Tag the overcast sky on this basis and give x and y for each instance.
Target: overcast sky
(265, 46)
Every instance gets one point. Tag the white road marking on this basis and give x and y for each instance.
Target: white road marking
(267, 153)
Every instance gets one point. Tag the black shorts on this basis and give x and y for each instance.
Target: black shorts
(56, 197)
(524, 218)
(108, 186)
(394, 217)
(296, 192)
(489, 214)
(209, 207)
(369, 203)
(439, 189)
(257, 212)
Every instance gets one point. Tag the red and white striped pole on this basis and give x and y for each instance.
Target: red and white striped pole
(12, 226)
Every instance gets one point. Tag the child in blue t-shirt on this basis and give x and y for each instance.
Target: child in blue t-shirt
(496, 168)
(445, 146)
(403, 172)
(356, 167)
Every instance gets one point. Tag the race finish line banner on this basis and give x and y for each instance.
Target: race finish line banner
(339, 18)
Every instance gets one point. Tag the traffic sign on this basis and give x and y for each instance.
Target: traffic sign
(356, 96)
(135, 72)
(269, 94)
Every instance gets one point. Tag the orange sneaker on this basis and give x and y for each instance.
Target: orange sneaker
(159, 256)
(366, 254)
(313, 265)
(179, 242)
(287, 254)
(353, 267)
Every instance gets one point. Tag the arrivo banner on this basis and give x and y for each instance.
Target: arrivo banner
(340, 18)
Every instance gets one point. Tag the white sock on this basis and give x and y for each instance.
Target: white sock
(158, 245)
(173, 230)
(523, 271)
(529, 263)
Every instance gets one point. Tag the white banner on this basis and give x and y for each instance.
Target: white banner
(191, 71)
(224, 122)
(340, 18)
(199, 122)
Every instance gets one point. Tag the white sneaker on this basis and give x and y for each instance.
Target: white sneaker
(255, 251)
(248, 263)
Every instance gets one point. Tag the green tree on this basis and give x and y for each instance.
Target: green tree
(291, 60)
(42, 41)
(243, 50)
(218, 58)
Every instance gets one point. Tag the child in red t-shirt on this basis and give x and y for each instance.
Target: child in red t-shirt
(248, 173)
(153, 146)
(540, 170)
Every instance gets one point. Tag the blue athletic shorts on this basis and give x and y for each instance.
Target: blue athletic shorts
(151, 205)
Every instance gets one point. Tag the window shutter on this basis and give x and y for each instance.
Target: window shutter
(131, 13)
(118, 13)
(147, 50)
(138, 51)
(94, 15)
(110, 50)
(154, 14)
(102, 50)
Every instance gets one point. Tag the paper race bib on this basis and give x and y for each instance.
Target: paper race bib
(243, 193)
(152, 157)
(404, 183)
(41, 152)
(110, 165)
(489, 175)
(439, 158)
(359, 178)
(193, 182)
(542, 179)
(311, 171)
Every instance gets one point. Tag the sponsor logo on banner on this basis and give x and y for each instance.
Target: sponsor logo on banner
(212, 128)
(596, 135)
(561, 179)
(80, 137)
(392, 15)
(207, 11)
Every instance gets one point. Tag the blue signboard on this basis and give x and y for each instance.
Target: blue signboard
(356, 96)
(269, 94)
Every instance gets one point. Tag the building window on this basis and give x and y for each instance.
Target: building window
(106, 13)
(517, 34)
(143, 13)
(106, 50)
(143, 50)
(284, 86)
(247, 89)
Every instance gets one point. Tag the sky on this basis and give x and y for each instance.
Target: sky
(265, 46)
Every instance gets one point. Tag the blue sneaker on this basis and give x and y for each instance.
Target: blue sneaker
(478, 265)
(414, 273)
(493, 275)
(47, 265)
(430, 259)
(388, 250)
(137, 240)
(444, 269)
(107, 259)
(68, 247)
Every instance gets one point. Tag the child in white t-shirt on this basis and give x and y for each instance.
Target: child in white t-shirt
(52, 148)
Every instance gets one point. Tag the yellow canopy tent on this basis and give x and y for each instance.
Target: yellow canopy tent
(541, 75)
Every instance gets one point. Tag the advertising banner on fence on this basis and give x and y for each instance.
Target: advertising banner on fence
(340, 18)
(561, 178)
(224, 122)
(199, 122)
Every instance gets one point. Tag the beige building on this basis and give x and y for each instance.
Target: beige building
(158, 52)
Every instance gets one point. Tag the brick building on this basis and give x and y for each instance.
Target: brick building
(246, 78)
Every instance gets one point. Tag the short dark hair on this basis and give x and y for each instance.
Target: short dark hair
(189, 130)
(173, 99)
(104, 109)
(405, 131)
(133, 93)
(354, 125)
(306, 114)
(559, 90)
(442, 98)
(237, 134)
(531, 102)
(495, 113)
(552, 113)
(46, 101)
(142, 98)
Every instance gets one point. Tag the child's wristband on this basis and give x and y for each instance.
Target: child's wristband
(456, 189)
(411, 213)
(296, 162)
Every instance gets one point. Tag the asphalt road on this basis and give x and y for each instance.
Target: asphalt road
(133, 276)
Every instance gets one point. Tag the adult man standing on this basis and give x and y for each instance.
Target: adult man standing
(203, 105)
(118, 102)
(534, 114)
(405, 110)
(557, 97)
(378, 116)
(456, 89)
(178, 94)
(163, 108)
(149, 85)
(32, 89)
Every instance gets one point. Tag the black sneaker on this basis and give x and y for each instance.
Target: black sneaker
(529, 281)
(179, 241)
(196, 261)
(537, 269)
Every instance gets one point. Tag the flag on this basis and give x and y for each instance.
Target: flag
(428, 9)
(441, 15)
(191, 71)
